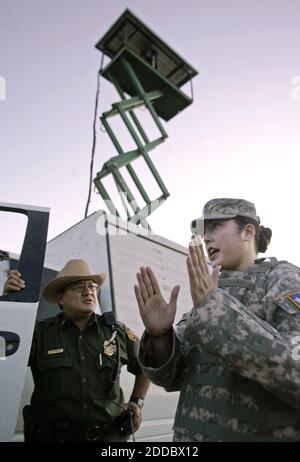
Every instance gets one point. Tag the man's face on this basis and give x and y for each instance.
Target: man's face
(224, 243)
(79, 298)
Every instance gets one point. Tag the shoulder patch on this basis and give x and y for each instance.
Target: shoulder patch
(131, 335)
(294, 298)
(290, 302)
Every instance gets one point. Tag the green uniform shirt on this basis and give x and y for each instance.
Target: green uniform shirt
(76, 377)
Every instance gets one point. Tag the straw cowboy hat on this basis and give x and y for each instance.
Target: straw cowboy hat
(74, 270)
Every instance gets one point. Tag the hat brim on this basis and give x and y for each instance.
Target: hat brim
(197, 225)
(54, 288)
(217, 216)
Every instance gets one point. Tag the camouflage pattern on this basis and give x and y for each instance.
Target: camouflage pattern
(224, 208)
(232, 359)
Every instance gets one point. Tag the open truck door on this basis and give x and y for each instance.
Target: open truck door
(18, 313)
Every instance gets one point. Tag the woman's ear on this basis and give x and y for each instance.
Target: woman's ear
(248, 232)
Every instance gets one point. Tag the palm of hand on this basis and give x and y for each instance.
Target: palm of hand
(158, 315)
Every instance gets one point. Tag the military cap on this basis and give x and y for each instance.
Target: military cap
(222, 209)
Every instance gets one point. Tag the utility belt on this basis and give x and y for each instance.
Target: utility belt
(121, 424)
(40, 430)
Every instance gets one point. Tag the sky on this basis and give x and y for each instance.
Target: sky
(240, 137)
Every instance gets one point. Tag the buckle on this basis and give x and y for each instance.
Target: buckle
(93, 433)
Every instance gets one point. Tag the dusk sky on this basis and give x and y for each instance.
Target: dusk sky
(239, 138)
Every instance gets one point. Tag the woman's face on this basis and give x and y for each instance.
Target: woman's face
(224, 244)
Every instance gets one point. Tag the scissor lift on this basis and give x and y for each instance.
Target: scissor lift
(145, 72)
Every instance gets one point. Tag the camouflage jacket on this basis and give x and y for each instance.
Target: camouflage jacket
(235, 359)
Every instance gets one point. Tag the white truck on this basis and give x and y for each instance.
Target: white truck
(17, 315)
(119, 248)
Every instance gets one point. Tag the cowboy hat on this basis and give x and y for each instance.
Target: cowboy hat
(74, 270)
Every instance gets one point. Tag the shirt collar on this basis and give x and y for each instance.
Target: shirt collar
(65, 320)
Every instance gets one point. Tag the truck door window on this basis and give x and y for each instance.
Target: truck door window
(12, 234)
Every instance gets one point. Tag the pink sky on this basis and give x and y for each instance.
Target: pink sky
(240, 138)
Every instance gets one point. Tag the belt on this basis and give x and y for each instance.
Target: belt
(121, 424)
(36, 429)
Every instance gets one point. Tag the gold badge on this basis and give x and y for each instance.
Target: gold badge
(131, 335)
(109, 349)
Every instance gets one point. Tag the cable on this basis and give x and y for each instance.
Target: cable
(132, 434)
(94, 137)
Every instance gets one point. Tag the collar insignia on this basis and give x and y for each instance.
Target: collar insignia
(131, 335)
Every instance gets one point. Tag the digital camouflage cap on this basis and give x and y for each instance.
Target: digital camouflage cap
(222, 209)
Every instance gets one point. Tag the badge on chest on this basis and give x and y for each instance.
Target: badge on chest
(109, 346)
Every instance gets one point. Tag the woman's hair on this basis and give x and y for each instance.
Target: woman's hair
(262, 235)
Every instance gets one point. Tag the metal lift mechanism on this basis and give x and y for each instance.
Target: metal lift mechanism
(145, 72)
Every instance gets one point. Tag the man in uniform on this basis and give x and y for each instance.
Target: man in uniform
(76, 359)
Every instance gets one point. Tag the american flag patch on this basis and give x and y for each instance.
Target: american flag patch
(294, 298)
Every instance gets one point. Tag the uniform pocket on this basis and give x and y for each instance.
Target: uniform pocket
(106, 377)
(54, 363)
(54, 378)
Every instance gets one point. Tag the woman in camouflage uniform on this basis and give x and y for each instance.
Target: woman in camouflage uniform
(234, 356)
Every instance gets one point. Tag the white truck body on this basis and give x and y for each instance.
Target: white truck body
(17, 317)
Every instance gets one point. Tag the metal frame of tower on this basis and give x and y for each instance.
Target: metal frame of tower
(145, 72)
